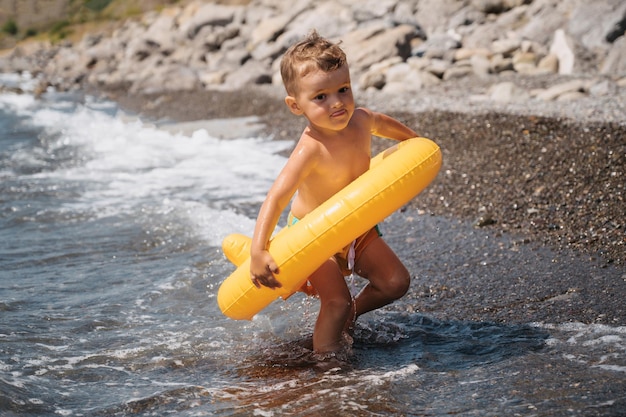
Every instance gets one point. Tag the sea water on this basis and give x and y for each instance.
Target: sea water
(110, 232)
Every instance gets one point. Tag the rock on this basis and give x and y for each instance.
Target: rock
(480, 65)
(456, 72)
(108, 80)
(615, 62)
(466, 18)
(490, 6)
(563, 50)
(268, 51)
(404, 13)
(558, 90)
(373, 79)
(500, 64)
(373, 9)
(378, 45)
(398, 72)
(437, 67)
(544, 17)
(602, 88)
(252, 72)
(375, 76)
(590, 22)
(549, 64)
(399, 88)
(571, 95)
(209, 14)
(505, 47)
(107, 49)
(484, 220)
(524, 62)
(467, 53)
(213, 78)
(617, 30)
(338, 20)
(215, 38)
(507, 92)
(498, 28)
(166, 78)
(268, 30)
(161, 33)
(428, 79)
(438, 45)
(497, 6)
(433, 15)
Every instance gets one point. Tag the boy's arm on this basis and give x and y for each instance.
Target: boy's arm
(388, 127)
(262, 265)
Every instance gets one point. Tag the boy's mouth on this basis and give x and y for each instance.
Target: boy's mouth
(338, 113)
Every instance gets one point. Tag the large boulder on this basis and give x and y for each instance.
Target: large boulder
(364, 47)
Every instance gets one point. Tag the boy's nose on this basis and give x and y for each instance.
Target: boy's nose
(337, 102)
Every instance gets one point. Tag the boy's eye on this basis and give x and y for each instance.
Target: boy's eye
(344, 89)
(319, 97)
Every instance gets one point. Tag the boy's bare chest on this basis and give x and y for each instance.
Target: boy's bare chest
(342, 165)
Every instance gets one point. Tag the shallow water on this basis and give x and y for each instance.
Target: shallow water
(109, 265)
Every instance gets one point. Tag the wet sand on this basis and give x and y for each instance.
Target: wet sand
(524, 223)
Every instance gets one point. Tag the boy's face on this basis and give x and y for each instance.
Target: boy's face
(324, 98)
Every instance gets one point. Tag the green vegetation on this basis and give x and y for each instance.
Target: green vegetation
(80, 15)
(60, 30)
(97, 5)
(10, 27)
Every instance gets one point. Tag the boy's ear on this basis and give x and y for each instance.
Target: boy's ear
(293, 105)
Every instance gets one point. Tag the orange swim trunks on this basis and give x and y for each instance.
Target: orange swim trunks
(347, 256)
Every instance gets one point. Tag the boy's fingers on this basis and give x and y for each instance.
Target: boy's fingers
(269, 281)
(273, 281)
(255, 281)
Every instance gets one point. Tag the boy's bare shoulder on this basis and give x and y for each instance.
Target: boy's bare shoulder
(307, 147)
(363, 116)
(364, 111)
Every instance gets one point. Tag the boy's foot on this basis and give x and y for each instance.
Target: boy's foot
(331, 361)
(326, 361)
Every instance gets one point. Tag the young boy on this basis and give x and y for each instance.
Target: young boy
(333, 150)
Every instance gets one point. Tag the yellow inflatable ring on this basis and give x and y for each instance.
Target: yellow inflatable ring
(395, 176)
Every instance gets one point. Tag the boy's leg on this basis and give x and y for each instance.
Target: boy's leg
(388, 277)
(335, 307)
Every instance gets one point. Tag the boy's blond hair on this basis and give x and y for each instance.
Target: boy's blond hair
(311, 53)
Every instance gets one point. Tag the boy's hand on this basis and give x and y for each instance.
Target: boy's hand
(262, 270)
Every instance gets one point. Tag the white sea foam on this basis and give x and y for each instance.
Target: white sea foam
(25, 80)
(381, 378)
(129, 164)
(18, 102)
(596, 339)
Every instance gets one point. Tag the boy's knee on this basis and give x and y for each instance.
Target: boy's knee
(399, 284)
